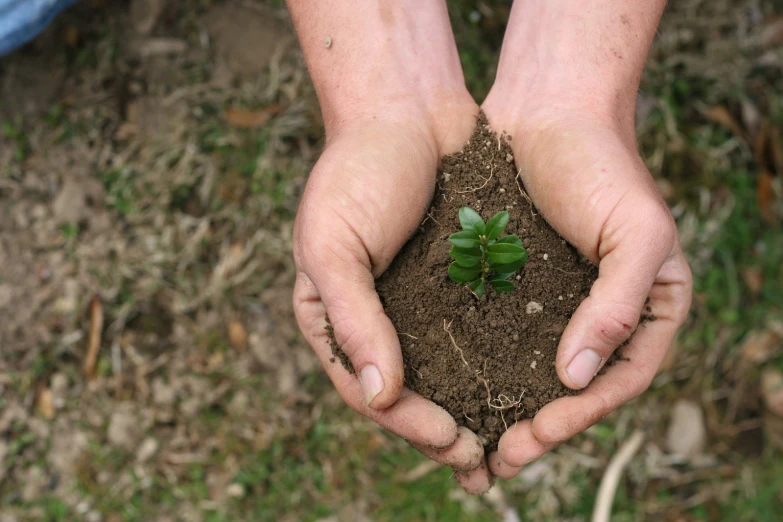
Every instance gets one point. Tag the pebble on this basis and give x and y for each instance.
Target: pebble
(546, 256)
(509, 158)
(533, 365)
(686, 435)
(147, 449)
(235, 490)
(533, 308)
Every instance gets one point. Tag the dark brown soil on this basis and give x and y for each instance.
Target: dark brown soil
(488, 361)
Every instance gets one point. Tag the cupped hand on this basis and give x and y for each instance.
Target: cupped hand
(366, 195)
(584, 174)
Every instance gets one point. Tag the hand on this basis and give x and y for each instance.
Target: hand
(365, 197)
(582, 170)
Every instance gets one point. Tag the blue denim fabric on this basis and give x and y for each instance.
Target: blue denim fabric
(22, 20)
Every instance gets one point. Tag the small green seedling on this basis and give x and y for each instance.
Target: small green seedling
(481, 256)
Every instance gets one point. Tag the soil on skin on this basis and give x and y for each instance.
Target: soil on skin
(488, 361)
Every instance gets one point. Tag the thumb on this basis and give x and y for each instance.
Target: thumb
(635, 245)
(361, 328)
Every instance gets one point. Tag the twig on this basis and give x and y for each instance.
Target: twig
(94, 344)
(408, 335)
(491, 171)
(610, 480)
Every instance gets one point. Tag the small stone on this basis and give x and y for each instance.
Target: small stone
(560, 298)
(537, 352)
(123, 427)
(147, 449)
(162, 393)
(533, 308)
(533, 365)
(519, 277)
(546, 256)
(509, 158)
(570, 295)
(502, 190)
(235, 490)
(686, 434)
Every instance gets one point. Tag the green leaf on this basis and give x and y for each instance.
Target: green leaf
(511, 240)
(501, 286)
(477, 287)
(466, 257)
(502, 253)
(465, 239)
(461, 274)
(500, 276)
(496, 225)
(470, 220)
(509, 268)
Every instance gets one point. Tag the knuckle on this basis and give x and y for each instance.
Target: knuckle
(616, 326)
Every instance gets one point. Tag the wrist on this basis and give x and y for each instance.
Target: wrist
(574, 59)
(372, 60)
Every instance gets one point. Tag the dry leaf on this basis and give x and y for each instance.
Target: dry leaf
(72, 36)
(765, 195)
(237, 335)
(772, 33)
(45, 404)
(753, 278)
(94, 345)
(772, 390)
(759, 346)
(251, 119)
(721, 115)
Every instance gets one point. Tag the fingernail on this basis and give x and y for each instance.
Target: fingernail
(583, 367)
(372, 382)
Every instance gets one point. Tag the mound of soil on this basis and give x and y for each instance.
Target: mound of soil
(487, 361)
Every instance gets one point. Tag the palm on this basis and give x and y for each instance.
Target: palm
(590, 184)
(365, 197)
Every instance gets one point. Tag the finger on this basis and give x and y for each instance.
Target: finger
(499, 468)
(476, 482)
(466, 454)
(404, 417)
(361, 328)
(636, 246)
(518, 446)
(567, 416)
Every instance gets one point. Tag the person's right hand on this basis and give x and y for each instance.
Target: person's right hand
(366, 195)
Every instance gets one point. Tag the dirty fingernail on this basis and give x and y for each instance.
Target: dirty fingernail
(583, 368)
(372, 382)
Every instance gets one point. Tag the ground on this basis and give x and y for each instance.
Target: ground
(152, 154)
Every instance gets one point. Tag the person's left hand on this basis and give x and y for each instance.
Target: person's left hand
(582, 171)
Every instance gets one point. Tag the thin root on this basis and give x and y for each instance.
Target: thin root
(462, 355)
(408, 335)
(491, 171)
(502, 402)
(524, 194)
